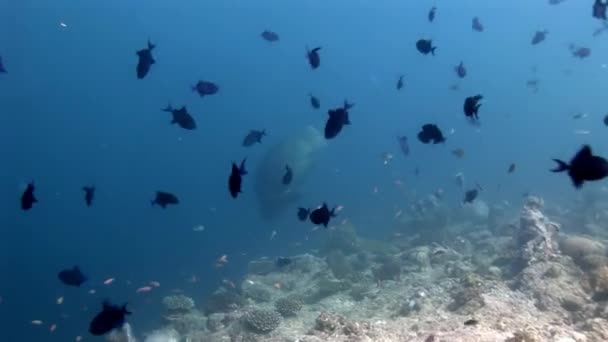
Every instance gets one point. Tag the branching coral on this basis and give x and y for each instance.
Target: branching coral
(289, 306)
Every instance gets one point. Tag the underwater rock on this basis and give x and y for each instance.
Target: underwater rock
(332, 325)
(299, 152)
(339, 265)
(188, 322)
(163, 335)
(215, 322)
(124, 334)
(256, 291)
(536, 236)
(325, 287)
(178, 304)
(289, 306)
(390, 269)
(344, 239)
(223, 300)
(262, 321)
(261, 266)
(582, 249)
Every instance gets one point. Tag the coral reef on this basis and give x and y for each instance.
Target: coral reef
(178, 304)
(289, 306)
(262, 321)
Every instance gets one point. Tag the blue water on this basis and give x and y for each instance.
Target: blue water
(73, 114)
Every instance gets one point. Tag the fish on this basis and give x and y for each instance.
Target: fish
(471, 106)
(337, 119)
(163, 199)
(477, 25)
(253, 137)
(460, 70)
(2, 67)
(578, 116)
(539, 37)
(288, 176)
(314, 101)
(471, 322)
(511, 168)
(282, 262)
(89, 194)
(404, 145)
(583, 167)
(270, 36)
(605, 120)
(555, 2)
(430, 133)
(72, 277)
(387, 158)
(181, 117)
(432, 13)
(470, 196)
(145, 60)
(322, 215)
(28, 199)
(303, 214)
(111, 317)
(599, 9)
(205, 88)
(313, 57)
(400, 82)
(458, 153)
(580, 52)
(425, 46)
(236, 178)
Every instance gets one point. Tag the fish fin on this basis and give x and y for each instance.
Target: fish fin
(477, 107)
(316, 49)
(242, 170)
(561, 166)
(584, 153)
(576, 181)
(150, 45)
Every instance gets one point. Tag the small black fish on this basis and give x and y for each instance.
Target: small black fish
(253, 137)
(432, 13)
(605, 120)
(555, 2)
(72, 277)
(270, 36)
(181, 117)
(599, 9)
(2, 68)
(337, 119)
(400, 83)
(322, 215)
(314, 102)
(471, 106)
(145, 60)
(511, 168)
(163, 199)
(89, 194)
(27, 198)
(282, 262)
(303, 214)
(580, 52)
(539, 37)
(205, 88)
(425, 46)
(471, 322)
(431, 133)
(584, 167)
(313, 57)
(236, 178)
(288, 176)
(460, 70)
(470, 196)
(404, 145)
(111, 317)
(477, 26)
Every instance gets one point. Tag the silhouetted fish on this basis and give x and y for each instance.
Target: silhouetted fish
(253, 137)
(460, 70)
(470, 196)
(288, 176)
(471, 106)
(314, 101)
(313, 57)
(145, 60)
(27, 198)
(236, 178)
(584, 167)
(89, 194)
(303, 214)
(404, 145)
(400, 83)
(580, 52)
(111, 317)
(163, 199)
(511, 168)
(205, 88)
(270, 36)
(337, 119)
(2, 68)
(599, 9)
(477, 26)
(425, 46)
(605, 120)
(181, 117)
(432, 13)
(72, 277)
(431, 133)
(322, 215)
(539, 37)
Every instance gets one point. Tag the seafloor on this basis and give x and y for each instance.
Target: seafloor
(513, 273)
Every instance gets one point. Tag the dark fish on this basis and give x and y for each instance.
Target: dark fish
(400, 83)
(511, 168)
(458, 153)
(470, 196)
(432, 13)
(111, 317)
(236, 178)
(555, 2)
(337, 119)
(2, 68)
(145, 60)
(181, 117)
(313, 57)
(27, 198)
(606, 120)
(270, 36)
(205, 88)
(253, 137)
(580, 52)
(288, 176)
(404, 145)
(303, 213)
(314, 102)
(533, 84)
(425, 46)
(431, 133)
(471, 106)
(471, 322)
(89, 194)
(322, 215)
(599, 9)
(539, 37)
(460, 70)
(584, 167)
(164, 199)
(282, 262)
(72, 277)
(477, 26)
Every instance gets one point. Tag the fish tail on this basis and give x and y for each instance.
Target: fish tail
(150, 45)
(316, 49)
(561, 166)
